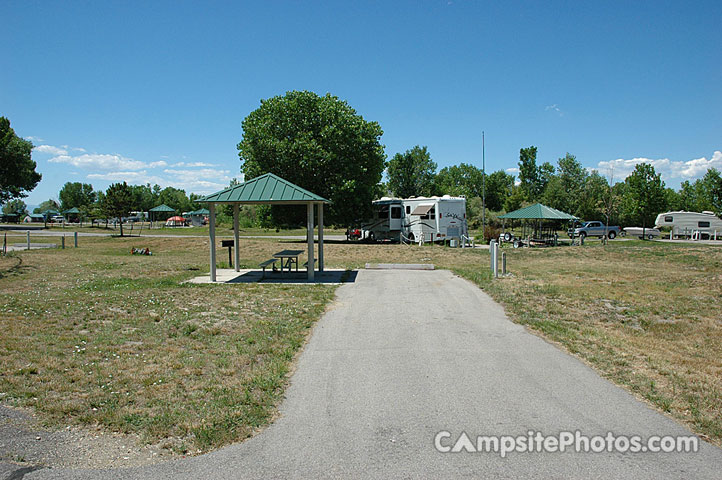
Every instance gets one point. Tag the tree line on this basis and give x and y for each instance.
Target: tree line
(323, 145)
(566, 186)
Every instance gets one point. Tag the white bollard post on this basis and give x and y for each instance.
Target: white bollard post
(492, 245)
(496, 260)
(76, 239)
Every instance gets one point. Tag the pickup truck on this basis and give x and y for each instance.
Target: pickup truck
(594, 229)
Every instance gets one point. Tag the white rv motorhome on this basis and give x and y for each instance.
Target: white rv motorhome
(691, 224)
(429, 218)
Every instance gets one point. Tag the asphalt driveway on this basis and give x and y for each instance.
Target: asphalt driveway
(407, 354)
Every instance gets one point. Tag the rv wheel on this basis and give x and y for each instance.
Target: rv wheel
(650, 237)
(371, 237)
(411, 237)
(612, 235)
(517, 244)
(507, 237)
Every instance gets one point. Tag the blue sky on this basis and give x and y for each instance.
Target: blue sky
(156, 91)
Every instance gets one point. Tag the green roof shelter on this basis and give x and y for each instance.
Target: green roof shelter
(538, 212)
(163, 208)
(267, 189)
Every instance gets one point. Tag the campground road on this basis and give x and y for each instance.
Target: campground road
(406, 354)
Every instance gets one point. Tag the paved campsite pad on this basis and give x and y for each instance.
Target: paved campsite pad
(406, 354)
(399, 266)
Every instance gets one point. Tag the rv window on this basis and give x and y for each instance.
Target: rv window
(408, 209)
(395, 212)
(430, 215)
(669, 219)
(703, 224)
(384, 211)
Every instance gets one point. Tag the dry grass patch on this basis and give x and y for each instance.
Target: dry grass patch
(645, 314)
(95, 336)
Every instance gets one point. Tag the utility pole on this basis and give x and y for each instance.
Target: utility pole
(483, 187)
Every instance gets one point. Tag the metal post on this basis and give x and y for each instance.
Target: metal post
(309, 239)
(75, 234)
(503, 263)
(212, 236)
(28, 240)
(320, 237)
(5, 244)
(236, 238)
(492, 245)
(496, 260)
(62, 243)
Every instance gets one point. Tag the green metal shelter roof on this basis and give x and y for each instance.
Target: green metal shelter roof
(538, 212)
(267, 188)
(72, 210)
(162, 208)
(200, 211)
(51, 212)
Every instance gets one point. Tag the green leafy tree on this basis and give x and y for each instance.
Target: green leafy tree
(515, 200)
(593, 198)
(118, 202)
(529, 173)
(462, 179)
(49, 204)
(143, 197)
(175, 198)
(645, 196)
(17, 168)
(320, 144)
(712, 182)
(17, 207)
(77, 195)
(412, 173)
(499, 186)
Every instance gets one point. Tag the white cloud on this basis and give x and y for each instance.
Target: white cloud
(683, 170)
(50, 149)
(512, 170)
(99, 161)
(554, 108)
(193, 164)
(197, 177)
(34, 139)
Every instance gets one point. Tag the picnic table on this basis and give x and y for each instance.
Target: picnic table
(288, 258)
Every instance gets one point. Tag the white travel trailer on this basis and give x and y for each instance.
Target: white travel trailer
(703, 225)
(429, 218)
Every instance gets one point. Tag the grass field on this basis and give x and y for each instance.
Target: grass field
(97, 336)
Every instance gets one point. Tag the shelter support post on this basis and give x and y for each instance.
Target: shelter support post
(212, 235)
(236, 251)
(309, 234)
(320, 237)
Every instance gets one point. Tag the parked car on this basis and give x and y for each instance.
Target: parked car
(595, 229)
(57, 219)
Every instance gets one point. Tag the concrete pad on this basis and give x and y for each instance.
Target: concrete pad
(228, 275)
(399, 266)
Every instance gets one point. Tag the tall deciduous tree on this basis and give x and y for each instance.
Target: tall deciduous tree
(117, 202)
(645, 196)
(713, 187)
(16, 207)
(17, 168)
(529, 173)
(77, 195)
(462, 179)
(320, 144)
(49, 204)
(499, 187)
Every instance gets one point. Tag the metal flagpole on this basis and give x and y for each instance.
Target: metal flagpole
(483, 188)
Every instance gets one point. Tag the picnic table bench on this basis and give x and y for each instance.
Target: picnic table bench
(288, 258)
